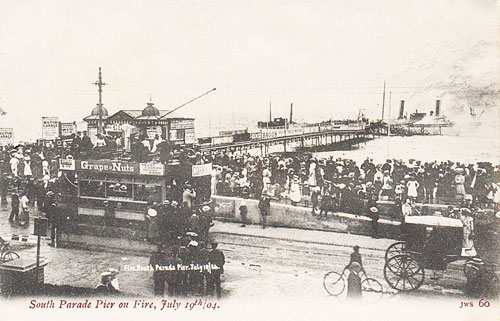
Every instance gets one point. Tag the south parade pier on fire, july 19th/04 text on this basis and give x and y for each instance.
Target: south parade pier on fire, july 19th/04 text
(161, 305)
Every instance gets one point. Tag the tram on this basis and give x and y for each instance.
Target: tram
(118, 193)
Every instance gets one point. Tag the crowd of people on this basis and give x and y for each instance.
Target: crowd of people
(140, 148)
(192, 269)
(26, 176)
(29, 175)
(343, 185)
(187, 262)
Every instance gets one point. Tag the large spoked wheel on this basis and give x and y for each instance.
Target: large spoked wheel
(334, 283)
(372, 289)
(9, 256)
(404, 273)
(397, 248)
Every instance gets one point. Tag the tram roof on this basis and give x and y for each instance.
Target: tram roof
(116, 166)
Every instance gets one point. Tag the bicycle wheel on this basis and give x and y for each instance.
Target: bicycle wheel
(9, 256)
(334, 283)
(372, 289)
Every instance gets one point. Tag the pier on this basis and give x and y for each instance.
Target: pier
(302, 141)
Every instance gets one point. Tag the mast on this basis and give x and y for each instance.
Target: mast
(389, 117)
(270, 114)
(383, 102)
(99, 85)
(389, 126)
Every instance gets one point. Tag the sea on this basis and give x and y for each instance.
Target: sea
(464, 149)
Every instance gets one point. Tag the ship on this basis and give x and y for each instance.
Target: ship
(418, 123)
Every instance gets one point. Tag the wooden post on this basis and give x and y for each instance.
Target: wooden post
(37, 258)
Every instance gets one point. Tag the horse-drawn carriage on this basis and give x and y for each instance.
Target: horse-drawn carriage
(427, 242)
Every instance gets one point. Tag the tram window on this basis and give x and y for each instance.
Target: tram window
(140, 181)
(119, 190)
(140, 192)
(154, 193)
(92, 189)
(147, 193)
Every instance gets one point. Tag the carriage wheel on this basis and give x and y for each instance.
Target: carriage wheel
(395, 249)
(9, 256)
(372, 289)
(404, 273)
(334, 283)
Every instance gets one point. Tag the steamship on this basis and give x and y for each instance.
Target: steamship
(418, 123)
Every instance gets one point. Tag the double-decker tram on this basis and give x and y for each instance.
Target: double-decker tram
(101, 193)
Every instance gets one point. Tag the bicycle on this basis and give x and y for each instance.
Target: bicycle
(335, 283)
(6, 254)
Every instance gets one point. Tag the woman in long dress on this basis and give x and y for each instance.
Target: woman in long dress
(412, 187)
(312, 175)
(459, 183)
(24, 217)
(27, 167)
(295, 195)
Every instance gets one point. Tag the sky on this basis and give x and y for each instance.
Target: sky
(328, 58)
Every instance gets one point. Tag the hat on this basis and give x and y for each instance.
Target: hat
(243, 203)
(193, 243)
(174, 203)
(193, 234)
(113, 271)
(205, 208)
(355, 266)
(152, 212)
(166, 202)
(374, 210)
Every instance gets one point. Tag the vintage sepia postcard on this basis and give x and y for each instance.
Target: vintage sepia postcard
(249, 160)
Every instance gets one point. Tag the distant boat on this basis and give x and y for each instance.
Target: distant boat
(475, 117)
